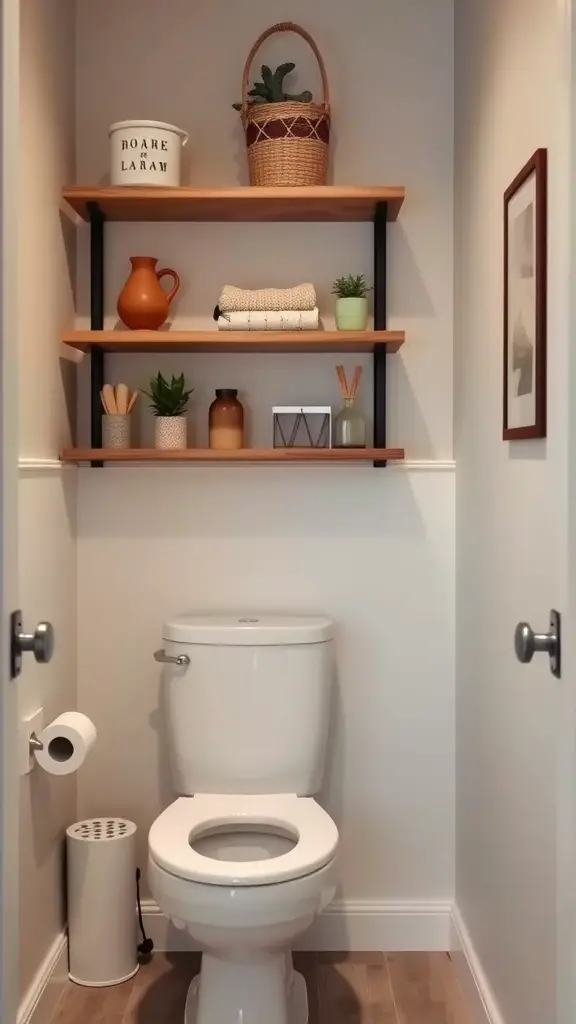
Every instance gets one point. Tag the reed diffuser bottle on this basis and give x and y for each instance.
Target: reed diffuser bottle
(349, 429)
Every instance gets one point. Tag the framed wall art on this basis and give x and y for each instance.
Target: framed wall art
(525, 259)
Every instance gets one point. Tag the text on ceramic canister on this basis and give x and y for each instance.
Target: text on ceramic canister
(144, 145)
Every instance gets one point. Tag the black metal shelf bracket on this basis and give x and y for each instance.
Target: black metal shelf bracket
(97, 220)
(380, 324)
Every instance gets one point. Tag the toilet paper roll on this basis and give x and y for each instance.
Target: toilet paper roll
(66, 743)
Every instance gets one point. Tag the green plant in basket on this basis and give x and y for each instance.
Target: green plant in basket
(351, 287)
(271, 88)
(168, 398)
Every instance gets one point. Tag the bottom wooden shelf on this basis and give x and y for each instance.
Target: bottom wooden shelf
(345, 455)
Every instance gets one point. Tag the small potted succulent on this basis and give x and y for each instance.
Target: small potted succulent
(351, 303)
(169, 401)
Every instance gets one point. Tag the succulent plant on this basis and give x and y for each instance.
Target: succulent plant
(168, 399)
(351, 287)
(271, 88)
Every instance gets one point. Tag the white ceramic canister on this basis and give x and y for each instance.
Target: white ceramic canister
(145, 153)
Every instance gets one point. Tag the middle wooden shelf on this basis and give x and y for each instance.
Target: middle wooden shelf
(233, 341)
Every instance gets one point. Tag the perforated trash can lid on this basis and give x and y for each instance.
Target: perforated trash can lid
(95, 829)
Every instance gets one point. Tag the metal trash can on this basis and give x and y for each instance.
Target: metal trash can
(102, 925)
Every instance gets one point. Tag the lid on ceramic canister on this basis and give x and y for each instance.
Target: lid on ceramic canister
(248, 630)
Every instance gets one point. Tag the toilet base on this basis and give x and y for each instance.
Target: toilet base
(263, 991)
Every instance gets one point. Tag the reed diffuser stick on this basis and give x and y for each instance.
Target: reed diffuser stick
(355, 382)
(342, 381)
(349, 391)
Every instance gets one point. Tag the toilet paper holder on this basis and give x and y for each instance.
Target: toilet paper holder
(59, 748)
(35, 743)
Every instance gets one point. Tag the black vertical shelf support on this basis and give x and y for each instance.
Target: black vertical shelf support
(380, 324)
(97, 220)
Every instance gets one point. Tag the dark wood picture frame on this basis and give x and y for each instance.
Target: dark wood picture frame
(536, 167)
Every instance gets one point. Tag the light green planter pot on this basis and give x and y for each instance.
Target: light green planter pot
(351, 314)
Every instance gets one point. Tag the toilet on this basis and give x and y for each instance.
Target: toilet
(244, 859)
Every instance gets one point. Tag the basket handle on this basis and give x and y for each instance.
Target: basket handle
(285, 26)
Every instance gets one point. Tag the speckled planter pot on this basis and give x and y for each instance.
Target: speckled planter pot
(116, 431)
(171, 432)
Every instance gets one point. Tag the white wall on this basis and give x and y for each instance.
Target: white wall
(373, 549)
(47, 499)
(512, 91)
(152, 544)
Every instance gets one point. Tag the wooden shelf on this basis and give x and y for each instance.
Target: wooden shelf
(283, 455)
(233, 341)
(373, 204)
(248, 203)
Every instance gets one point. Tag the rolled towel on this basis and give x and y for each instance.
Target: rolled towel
(270, 320)
(239, 300)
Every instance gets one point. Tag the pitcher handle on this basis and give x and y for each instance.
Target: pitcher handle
(171, 273)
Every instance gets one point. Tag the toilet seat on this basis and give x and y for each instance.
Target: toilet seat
(188, 817)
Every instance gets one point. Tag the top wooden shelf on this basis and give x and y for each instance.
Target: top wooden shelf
(249, 203)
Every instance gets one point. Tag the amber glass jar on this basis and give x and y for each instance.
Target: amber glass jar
(226, 420)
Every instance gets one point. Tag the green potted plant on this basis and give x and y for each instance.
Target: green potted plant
(169, 401)
(351, 303)
(271, 88)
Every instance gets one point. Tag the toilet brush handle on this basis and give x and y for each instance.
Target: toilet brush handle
(167, 659)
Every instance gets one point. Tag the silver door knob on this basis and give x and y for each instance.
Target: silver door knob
(527, 643)
(168, 659)
(40, 643)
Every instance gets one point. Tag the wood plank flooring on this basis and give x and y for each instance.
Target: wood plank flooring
(343, 988)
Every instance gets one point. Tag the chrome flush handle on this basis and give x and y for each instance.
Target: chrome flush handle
(168, 659)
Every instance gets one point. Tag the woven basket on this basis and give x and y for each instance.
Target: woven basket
(288, 143)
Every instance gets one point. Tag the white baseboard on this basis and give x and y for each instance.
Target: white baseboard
(473, 980)
(355, 925)
(39, 1002)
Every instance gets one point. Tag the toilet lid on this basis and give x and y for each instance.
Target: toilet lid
(310, 836)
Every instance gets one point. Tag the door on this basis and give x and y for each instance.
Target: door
(566, 762)
(516, 524)
(9, 71)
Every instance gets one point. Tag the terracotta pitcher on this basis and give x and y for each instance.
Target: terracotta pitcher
(143, 305)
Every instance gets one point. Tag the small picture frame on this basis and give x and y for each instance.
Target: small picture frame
(525, 301)
(302, 426)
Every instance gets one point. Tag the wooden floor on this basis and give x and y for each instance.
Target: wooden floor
(343, 988)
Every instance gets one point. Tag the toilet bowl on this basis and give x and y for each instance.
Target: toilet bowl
(268, 839)
(245, 873)
(244, 876)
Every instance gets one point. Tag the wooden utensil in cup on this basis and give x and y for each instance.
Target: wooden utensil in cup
(109, 399)
(122, 395)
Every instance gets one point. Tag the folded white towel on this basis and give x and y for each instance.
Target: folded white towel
(238, 300)
(271, 320)
(282, 320)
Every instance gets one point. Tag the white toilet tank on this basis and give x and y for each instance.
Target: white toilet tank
(250, 712)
